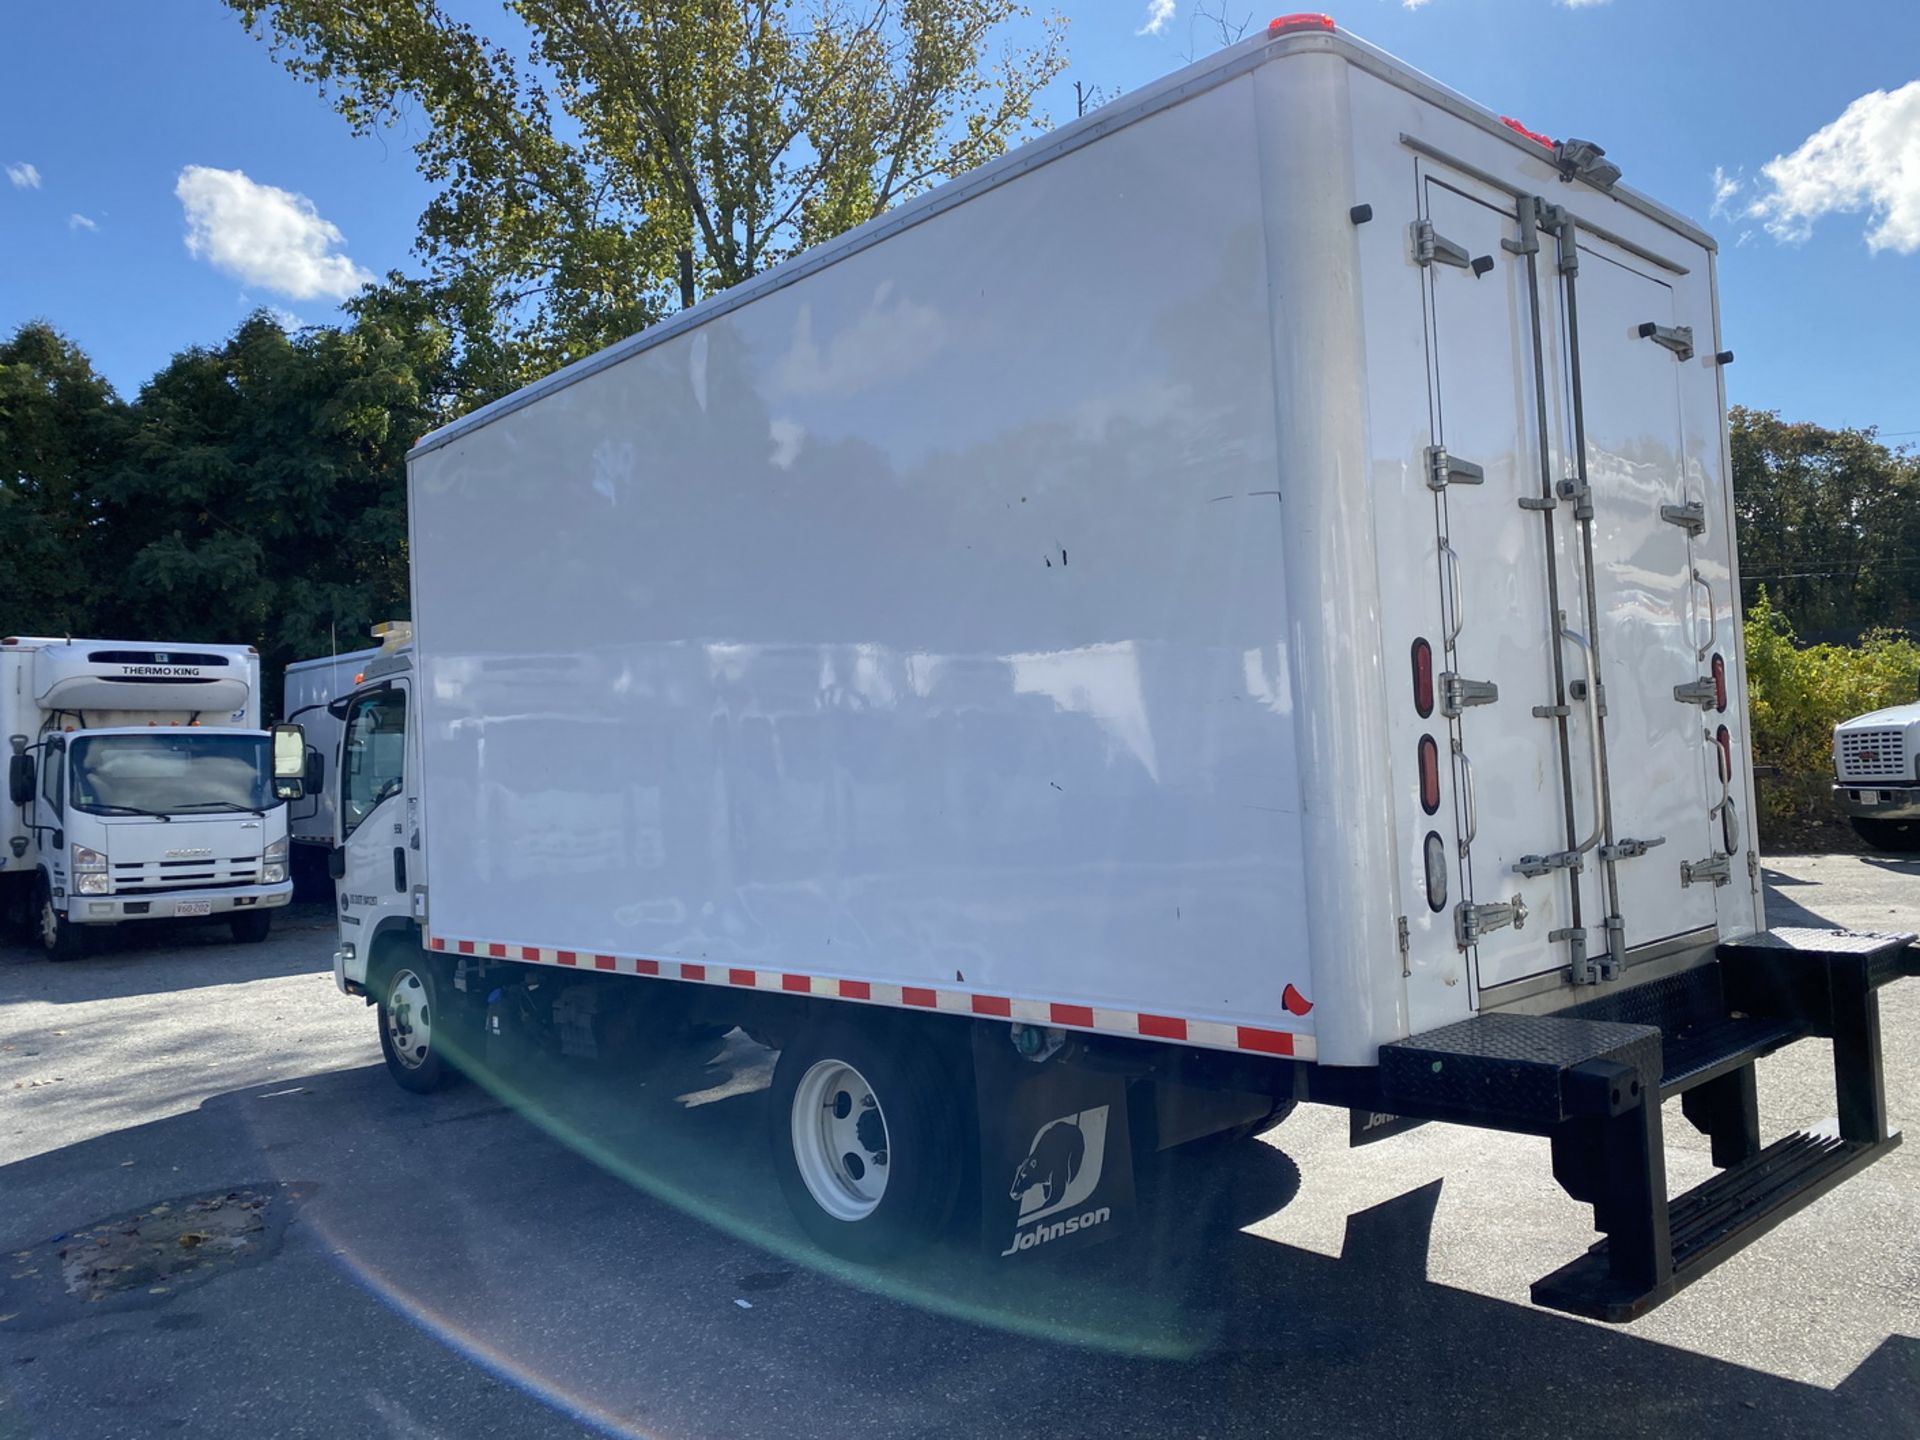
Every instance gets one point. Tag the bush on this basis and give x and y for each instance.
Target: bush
(1796, 695)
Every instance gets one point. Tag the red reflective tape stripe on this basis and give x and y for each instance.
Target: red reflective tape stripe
(1163, 1027)
(647, 967)
(529, 952)
(1269, 1042)
(855, 990)
(437, 943)
(466, 947)
(693, 972)
(796, 982)
(740, 977)
(605, 962)
(499, 952)
(992, 1005)
(565, 957)
(913, 996)
(1073, 1015)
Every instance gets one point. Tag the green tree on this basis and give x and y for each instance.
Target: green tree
(615, 156)
(261, 492)
(61, 427)
(1829, 523)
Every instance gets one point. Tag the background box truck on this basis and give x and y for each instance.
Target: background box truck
(308, 689)
(140, 787)
(1231, 603)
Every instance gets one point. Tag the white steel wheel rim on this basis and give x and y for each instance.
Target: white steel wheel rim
(49, 923)
(410, 1019)
(840, 1140)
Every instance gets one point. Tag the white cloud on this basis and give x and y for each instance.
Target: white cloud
(1412, 4)
(77, 221)
(24, 176)
(1159, 16)
(1583, 4)
(1868, 159)
(1725, 187)
(266, 236)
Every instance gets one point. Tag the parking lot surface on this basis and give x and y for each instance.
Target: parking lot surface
(264, 1236)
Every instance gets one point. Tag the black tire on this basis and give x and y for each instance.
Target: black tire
(408, 1007)
(920, 1136)
(250, 927)
(59, 937)
(1898, 836)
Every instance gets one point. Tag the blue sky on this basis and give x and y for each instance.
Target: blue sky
(122, 122)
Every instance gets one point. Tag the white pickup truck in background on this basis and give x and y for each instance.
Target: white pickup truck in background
(1876, 767)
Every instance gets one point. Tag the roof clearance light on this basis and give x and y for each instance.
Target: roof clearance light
(1533, 135)
(1293, 24)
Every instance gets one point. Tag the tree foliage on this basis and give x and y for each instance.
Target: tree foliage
(253, 492)
(579, 163)
(1829, 523)
(1796, 695)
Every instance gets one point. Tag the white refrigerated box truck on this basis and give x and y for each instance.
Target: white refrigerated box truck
(1229, 604)
(140, 787)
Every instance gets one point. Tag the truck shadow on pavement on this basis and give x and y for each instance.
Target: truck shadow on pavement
(523, 1236)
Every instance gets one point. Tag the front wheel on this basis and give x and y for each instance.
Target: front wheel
(250, 927)
(1899, 836)
(59, 937)
(409, 1012)
(866, 1138)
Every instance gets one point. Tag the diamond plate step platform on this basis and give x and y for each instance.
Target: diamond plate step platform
(1523, 1071)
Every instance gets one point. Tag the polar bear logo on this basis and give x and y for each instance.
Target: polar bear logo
(1062, 1165)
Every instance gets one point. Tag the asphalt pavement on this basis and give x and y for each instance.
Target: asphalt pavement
(263, 1236)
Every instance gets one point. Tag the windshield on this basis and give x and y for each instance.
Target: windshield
(170, 772)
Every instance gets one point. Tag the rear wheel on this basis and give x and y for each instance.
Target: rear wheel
(409, 1011)
(866, 1138)
(250, 927)
(59, 937)
(1900, 836)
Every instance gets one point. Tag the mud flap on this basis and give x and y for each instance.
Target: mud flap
(1056, 1157)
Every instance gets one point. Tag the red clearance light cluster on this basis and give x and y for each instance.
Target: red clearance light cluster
(1293, 24)
(1533, 135)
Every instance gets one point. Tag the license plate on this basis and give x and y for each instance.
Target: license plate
(1869, 797)
(193, 907)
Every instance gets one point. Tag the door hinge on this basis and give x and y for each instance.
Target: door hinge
(1432, 248)
(1470, 922)
(1444, 469)
(1717, 868)
(1690, 517)
(1458, 695)
(1701, 692)
(1533, 866)
(1677, 338)
(1630, 849)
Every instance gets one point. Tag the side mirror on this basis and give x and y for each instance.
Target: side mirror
(289, 762)
(20, 779)
(316, 775)
(337, 863)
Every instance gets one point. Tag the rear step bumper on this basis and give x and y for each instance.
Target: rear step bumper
(1592, 1081)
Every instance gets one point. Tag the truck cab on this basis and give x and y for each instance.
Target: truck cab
(1876, 767)
(141, 787)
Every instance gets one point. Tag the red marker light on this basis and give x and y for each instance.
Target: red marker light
(1533, 135)
(1429, 774)
(1423, 678)
(1293, 24)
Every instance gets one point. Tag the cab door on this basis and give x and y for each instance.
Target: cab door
(377, 865)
